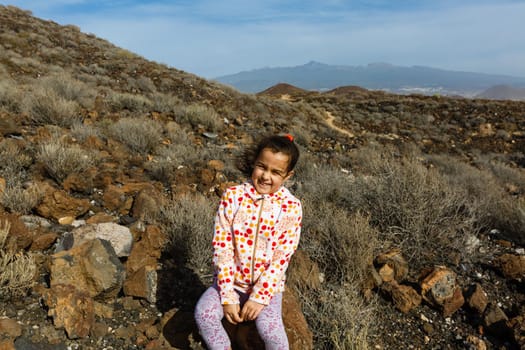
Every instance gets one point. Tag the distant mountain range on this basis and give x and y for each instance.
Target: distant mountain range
(375, 76)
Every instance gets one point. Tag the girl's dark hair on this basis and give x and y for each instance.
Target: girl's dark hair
(275, 143)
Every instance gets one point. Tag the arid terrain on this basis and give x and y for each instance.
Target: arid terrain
(111, 167)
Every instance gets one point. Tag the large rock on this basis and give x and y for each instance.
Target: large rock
(244, 336)
(405, 298)
(495, 321)
(57, 204)
(511, 266)
(118, 236)
(392, 266)
(439, 288)
(18, 236)
(92, 267)
(142, 283)
(147, 251)
(71, 309)
(476, 298)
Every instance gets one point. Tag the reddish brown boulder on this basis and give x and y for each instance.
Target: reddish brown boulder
(18, 236)
(43, 241)
(439, 288)
(10, 328)
(71, 309)
(146, 205)
(511, 266)
(405, 298)
(92, 267)
(142, 283)
(476, 298)
(57, 204)
(244, 336)
(392, 265)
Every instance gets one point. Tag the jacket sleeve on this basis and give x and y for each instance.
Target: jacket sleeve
(223, 250)
(288, 231)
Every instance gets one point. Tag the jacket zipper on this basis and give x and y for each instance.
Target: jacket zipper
(255, 241)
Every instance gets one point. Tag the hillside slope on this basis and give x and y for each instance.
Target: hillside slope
(98, 141)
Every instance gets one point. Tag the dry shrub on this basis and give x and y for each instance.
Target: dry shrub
(201, 115)
(189, 221)
(339, 316)
(126, 101)
(493, 207)
(14, 162)
(9, 96)
(414, 207)
(69, 88)
(21, 200)
(61, 159)
(82, 132)
(17, 269)
(45, 106)
(165, 102)
(343, 244)
(141, 135)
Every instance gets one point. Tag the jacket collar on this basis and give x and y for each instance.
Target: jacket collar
(252, 192)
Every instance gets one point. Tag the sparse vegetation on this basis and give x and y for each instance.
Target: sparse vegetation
(187, 221)
(141, 135)
(61, 159)
(17, 269)
(418, 174)
(45, 106)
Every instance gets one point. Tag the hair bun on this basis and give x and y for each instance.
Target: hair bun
(289, 137)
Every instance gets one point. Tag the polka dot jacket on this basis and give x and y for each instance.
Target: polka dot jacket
(255, 236)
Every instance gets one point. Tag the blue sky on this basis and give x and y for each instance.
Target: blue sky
(211, 38)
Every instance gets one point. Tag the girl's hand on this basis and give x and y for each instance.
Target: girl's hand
(251, 310)
(231, 312)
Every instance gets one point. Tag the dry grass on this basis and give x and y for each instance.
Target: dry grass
(17, 269)
(21, 200)
(339, 316)
(132, 102)
(141, 135)
(487, 195)
(9, 96)
(188, 221)
(47, 107)
(68, 88)
(61, 159)
(199, 115)
(14, 161)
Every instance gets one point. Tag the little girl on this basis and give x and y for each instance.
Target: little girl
(257, 229)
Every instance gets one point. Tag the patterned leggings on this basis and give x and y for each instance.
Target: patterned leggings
(269, 323)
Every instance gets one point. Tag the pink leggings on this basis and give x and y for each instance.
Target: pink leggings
(269, 323)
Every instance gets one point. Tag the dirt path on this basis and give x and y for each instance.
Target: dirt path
(330, 121)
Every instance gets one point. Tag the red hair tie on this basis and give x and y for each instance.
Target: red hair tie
(289, 137)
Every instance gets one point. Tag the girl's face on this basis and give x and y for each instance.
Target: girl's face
(270, 171)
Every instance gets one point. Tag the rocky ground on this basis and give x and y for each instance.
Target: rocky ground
(106, 276)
